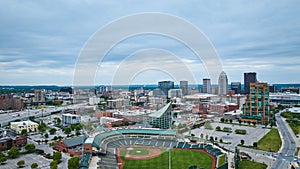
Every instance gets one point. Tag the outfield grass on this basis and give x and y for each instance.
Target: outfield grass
(246, 164)
(221, 160)
(180, 159)
(270, 142)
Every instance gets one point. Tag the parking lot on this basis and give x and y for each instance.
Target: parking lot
(29, 159)
(254, 134)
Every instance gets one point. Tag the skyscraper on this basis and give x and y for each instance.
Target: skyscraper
(184, 86)
(165, 86)
(236, 86)
(206, 86)
(256, 107)
(249, 78)
(222, 84)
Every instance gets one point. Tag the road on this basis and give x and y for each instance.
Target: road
(286, 156)
(23, 115)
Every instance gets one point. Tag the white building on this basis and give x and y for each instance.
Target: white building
(28, 125)
(94, 100)
(70, 119)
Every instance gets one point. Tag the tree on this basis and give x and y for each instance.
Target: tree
(34, 165)
(57, 156)
(46, 135)
(4, 148)
(230, 120)
(67, 130)
(73, 162)
(218, 128)
(2, 160)
(240, 122)
(255, 144)
(249, 122)
(1, 154)
(52, 131)
(242, 142)
(42, 127)
(175, 115)
(21, 163)
(53, 165)
(254, 123)
(221, 140)
(30, 148)
(222, 120)
(78, 127)
(24, 132)
(13, 152)
(78, 133)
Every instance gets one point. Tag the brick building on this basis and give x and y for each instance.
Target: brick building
(9, 142)
(9, 102)
(73, 146)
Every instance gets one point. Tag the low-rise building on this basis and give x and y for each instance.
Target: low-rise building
(28, 125)
(73, 146)
(9, 142)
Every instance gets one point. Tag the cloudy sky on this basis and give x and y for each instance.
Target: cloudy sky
(40, 41)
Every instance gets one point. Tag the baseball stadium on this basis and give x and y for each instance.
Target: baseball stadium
(147, 148)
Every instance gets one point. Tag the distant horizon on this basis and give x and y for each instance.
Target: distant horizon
(54, 85)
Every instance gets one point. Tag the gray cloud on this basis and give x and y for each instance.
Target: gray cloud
(45, 37)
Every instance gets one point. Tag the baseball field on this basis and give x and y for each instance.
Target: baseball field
(140, 157)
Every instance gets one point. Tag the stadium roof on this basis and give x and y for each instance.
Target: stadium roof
(74, 141)
(161, 111)
(85, 161)
(98, 139)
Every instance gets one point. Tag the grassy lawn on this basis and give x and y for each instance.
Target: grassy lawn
(297, 151)
(293, 119)
(208, 126)
(180, 159)
(221, 160)
(270, 142)
(246, 164)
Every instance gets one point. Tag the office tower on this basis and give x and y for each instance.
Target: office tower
(249, 78)
(206, 86)
(256, 107)
(222, 84)
(165, 86)
(184, 86)
(237, 87)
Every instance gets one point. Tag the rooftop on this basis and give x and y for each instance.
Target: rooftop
(23, 123)
(161, 111)
(74, 141)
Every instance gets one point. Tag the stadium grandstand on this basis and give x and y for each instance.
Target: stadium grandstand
(107, 143)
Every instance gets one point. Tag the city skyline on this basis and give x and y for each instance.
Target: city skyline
(40, 43)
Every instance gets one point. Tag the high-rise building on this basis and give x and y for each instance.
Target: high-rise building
(256, 107)
(206, 88)
(223, 84)
(249, 78)
(237, 87)
(165, 86)
(39, 96)
(184, 86)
